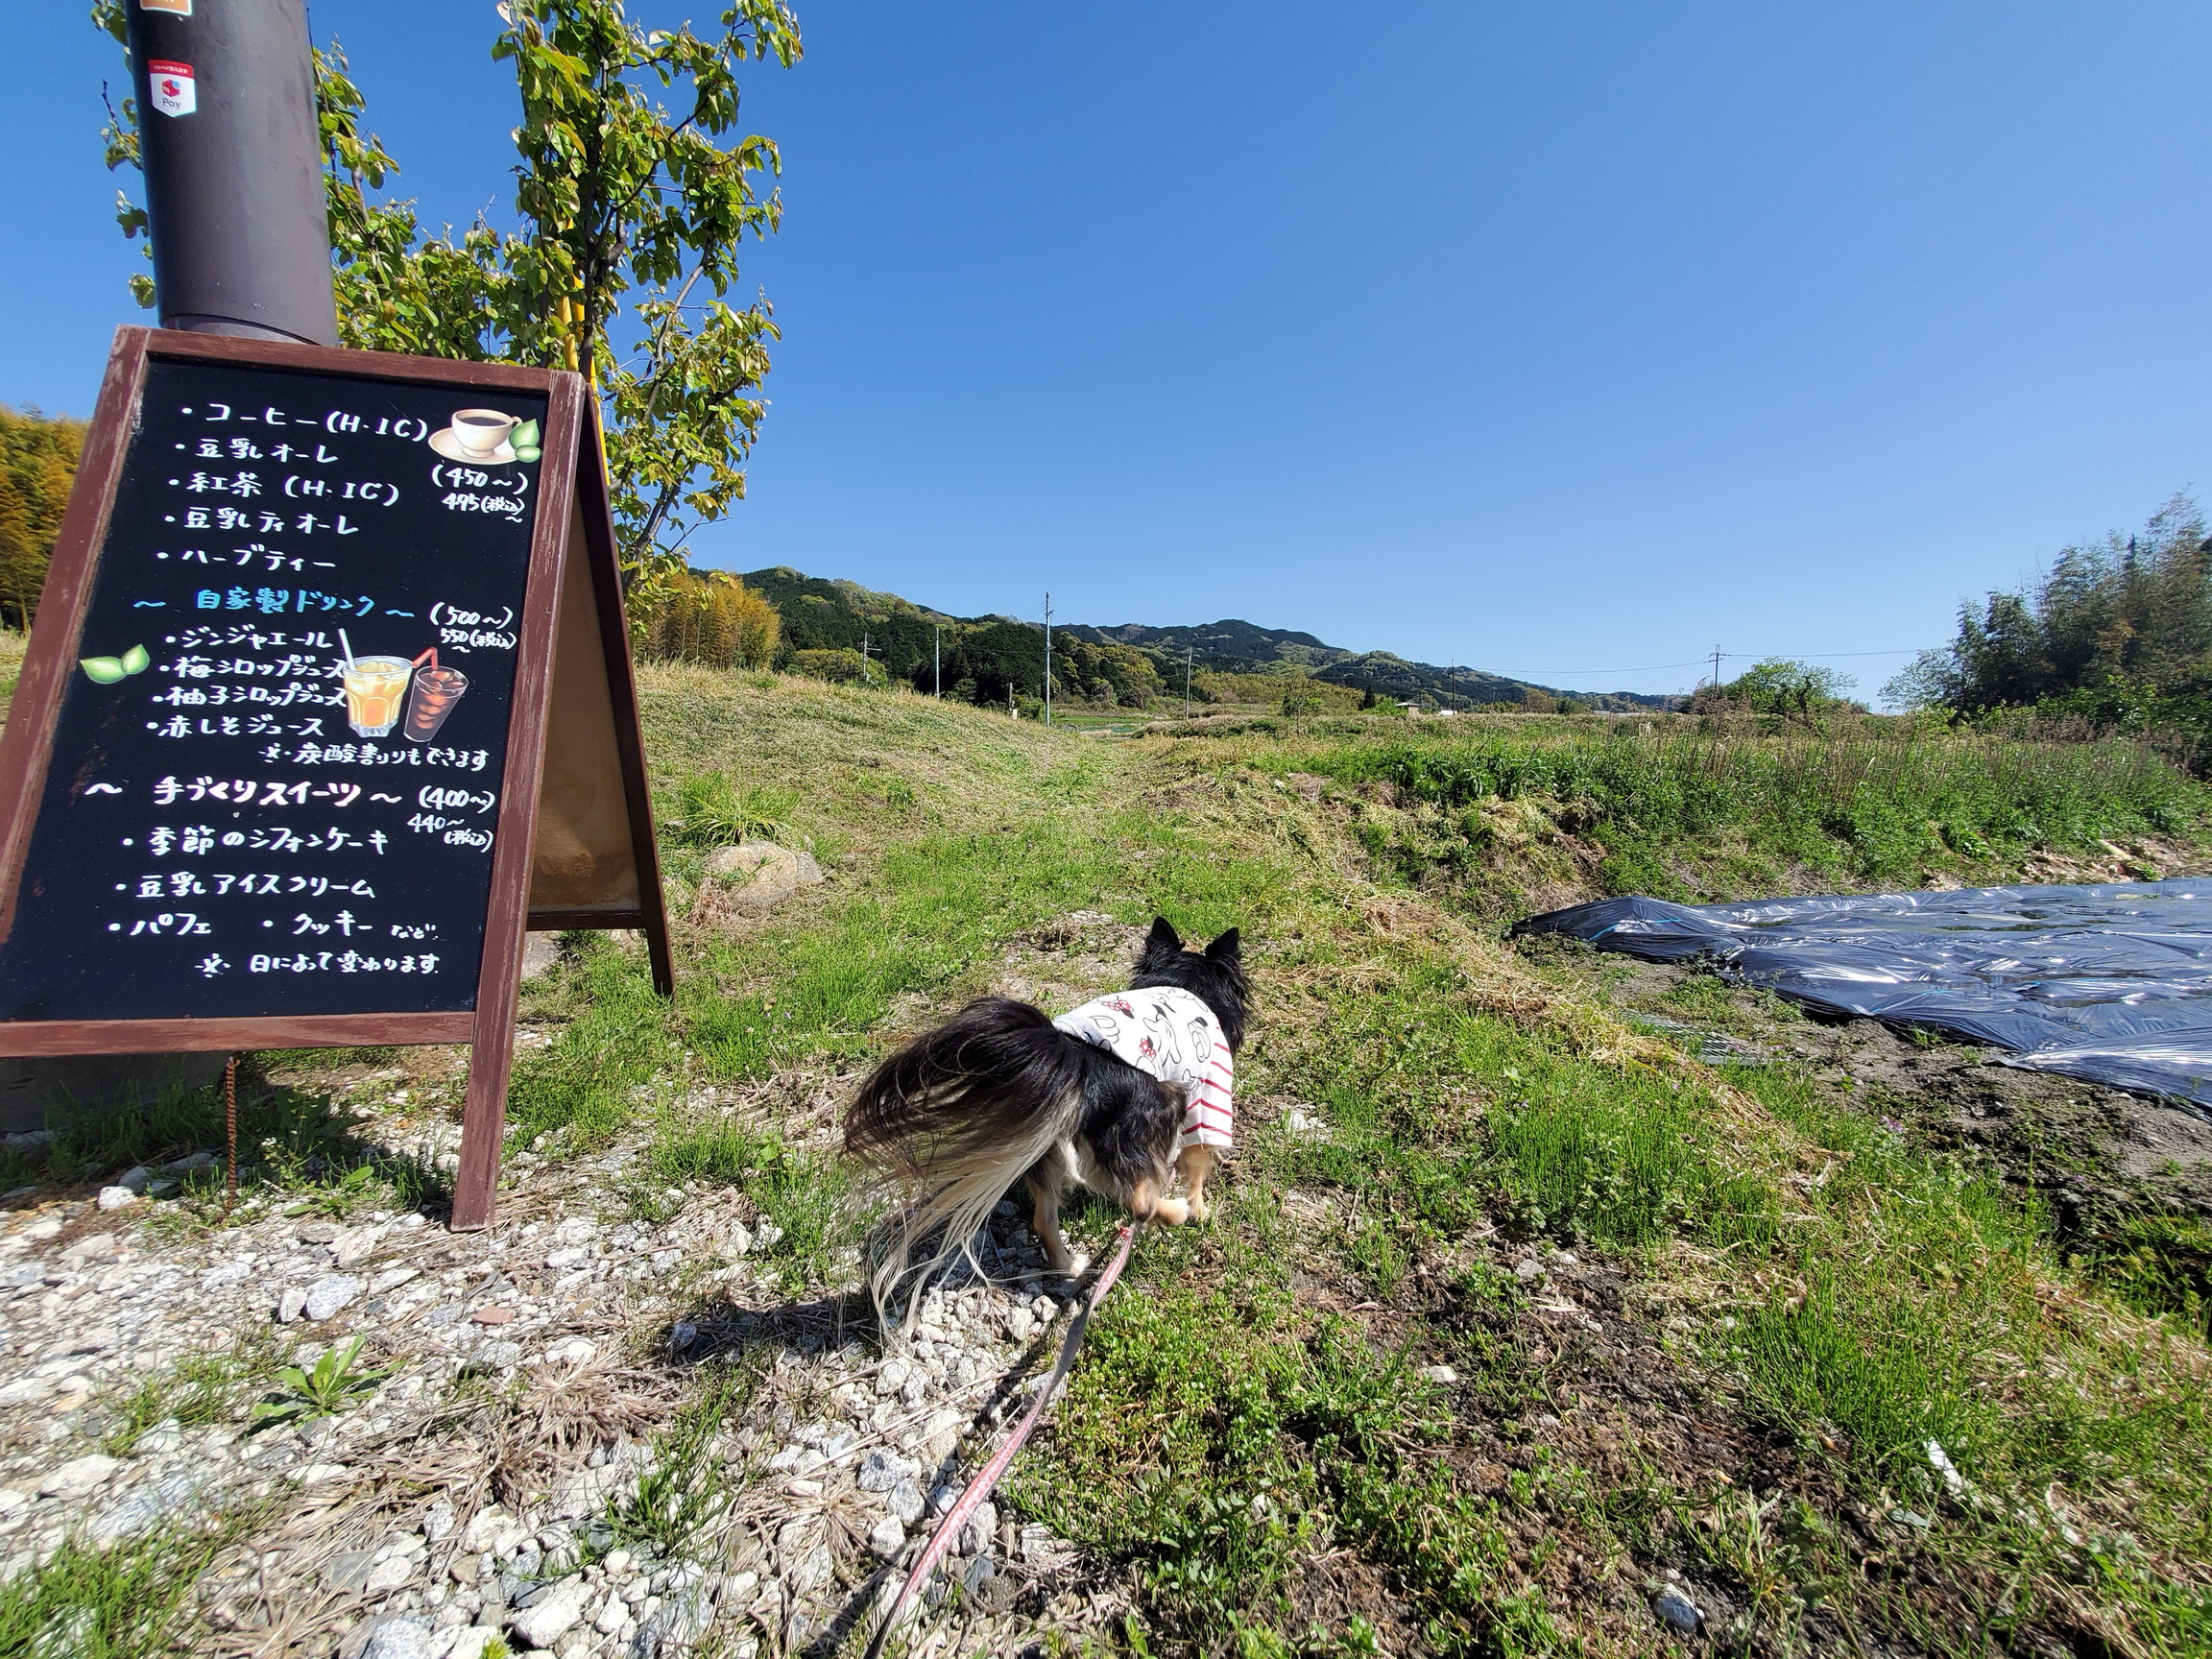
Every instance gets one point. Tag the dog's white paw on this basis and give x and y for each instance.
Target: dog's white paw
(1078, 1264)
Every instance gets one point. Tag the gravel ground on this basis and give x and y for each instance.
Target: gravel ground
(537, 1376)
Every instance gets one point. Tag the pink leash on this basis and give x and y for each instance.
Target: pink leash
(980, 1489)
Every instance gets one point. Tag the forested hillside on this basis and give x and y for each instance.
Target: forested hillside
(986, 658)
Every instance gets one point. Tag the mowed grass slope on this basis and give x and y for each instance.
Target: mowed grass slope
(1513, 1317)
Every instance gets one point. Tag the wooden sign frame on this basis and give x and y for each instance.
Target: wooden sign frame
(573, 536)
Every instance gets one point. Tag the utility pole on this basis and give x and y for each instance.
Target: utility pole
(1047, 658)
(234, 198)
(1186, 681)
(937, 664)
(1716, 667)
(866, 650)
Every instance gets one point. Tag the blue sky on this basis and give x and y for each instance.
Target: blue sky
(1559, 340)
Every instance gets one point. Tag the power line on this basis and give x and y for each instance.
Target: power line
(1703, 662)
(1648, 668)
(1824, 656)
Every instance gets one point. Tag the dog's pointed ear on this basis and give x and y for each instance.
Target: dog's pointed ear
(1162, 943)
(1226, 948)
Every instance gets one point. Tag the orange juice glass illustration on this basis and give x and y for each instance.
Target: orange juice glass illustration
(435, 690)
(376, 691)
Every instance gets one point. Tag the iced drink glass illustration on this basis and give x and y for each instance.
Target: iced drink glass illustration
(435, 690)
(375, 689)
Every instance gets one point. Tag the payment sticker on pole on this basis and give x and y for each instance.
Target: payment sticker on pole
(170, 87)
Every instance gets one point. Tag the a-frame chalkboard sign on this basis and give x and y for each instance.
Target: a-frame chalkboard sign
(327, 702)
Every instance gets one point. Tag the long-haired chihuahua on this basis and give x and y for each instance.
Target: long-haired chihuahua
(1118, 1096)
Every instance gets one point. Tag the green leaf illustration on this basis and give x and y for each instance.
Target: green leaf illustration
(106, 670)
(135, 660)
(530, 452)
(523, 437)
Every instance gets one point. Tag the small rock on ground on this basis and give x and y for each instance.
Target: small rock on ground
(328, 1295)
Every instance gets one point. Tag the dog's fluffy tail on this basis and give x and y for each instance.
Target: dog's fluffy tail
(961, 1115)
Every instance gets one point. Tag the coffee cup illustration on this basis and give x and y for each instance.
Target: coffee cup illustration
(476, 437)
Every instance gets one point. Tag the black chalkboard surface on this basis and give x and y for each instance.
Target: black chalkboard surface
(276, 773)
(276, 769)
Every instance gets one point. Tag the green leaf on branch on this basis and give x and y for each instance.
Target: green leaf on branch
(631, 216)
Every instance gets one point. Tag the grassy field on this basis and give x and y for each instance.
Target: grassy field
(1516, 1316)
(1693, 1327)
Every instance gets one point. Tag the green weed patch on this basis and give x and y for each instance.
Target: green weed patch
(608, 1058)
(130, 1602)
(2162, 1264)
(687, 1489)
(197, 1390)
(1456, 1116)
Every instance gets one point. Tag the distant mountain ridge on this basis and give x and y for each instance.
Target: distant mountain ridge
(820, 614)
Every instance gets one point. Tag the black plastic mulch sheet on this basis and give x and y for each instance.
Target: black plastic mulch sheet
(2109, 983)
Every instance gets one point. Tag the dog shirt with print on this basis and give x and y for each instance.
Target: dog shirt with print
(1173, 1034)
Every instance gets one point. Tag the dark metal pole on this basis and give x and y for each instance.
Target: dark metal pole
(231, 1133)
(241, 237)
(233, 168)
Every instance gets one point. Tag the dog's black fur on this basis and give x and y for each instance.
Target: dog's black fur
(997, 1093)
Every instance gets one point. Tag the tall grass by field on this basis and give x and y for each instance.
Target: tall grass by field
(1878, 803)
